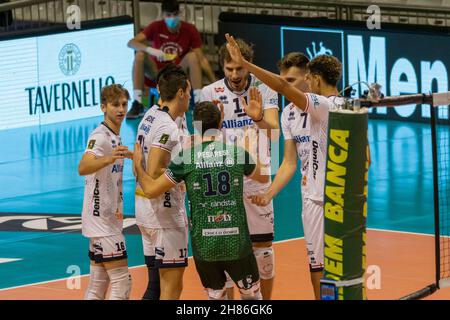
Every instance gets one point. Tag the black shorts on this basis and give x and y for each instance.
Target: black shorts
(244, 272)
(106, 249)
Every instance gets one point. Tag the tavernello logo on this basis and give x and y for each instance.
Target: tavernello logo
(69, 59)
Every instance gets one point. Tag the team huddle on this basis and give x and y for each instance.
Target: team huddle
(224, 169)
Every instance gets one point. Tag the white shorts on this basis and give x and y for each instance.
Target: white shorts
(313, 227)
(168, 245)
(105, 249)
(260, 219)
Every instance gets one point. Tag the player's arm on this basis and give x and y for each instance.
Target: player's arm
(272, 80)
(204, 63)
(258, 174)
(139, 43)
(94, 158)
(160, 158)
(152, 187)
(271, 124)
(287, 169)
(283, 176)
(252, 169)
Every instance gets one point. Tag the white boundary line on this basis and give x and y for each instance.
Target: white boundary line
(143, 265)
(404, 232)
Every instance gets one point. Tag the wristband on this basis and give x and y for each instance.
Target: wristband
(262, 117)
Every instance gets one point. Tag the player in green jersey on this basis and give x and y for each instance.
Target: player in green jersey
(214, 174)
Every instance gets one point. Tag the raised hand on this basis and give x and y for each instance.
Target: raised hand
(254, 107)
(233, 49)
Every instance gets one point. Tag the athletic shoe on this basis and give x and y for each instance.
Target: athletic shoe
(136, 111)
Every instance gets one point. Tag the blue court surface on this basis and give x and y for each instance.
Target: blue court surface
(41, 195)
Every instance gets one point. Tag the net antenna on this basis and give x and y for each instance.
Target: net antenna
(372, 94)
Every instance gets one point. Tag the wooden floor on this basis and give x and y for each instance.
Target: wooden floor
(405, 261)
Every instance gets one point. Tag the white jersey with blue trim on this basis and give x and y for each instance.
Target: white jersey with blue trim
(158, 130)
(295, 125)
(236, 121)
(103, 196)
(318, 107)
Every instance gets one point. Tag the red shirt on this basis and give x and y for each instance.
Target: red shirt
(180, 43)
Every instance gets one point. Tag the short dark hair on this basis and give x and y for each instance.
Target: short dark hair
(171, 79)
(328, 67)
(208, 114)
(113, 92)
(293, 59)
(246, 50)
(170, 6)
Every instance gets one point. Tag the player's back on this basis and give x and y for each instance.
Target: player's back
(214, 175)
(158, 130)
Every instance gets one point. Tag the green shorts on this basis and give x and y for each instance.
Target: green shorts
(244, 272)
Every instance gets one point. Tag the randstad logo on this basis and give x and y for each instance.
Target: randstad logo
(317, 52)
(69, 59)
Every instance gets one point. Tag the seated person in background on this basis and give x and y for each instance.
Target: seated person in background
(171, 41)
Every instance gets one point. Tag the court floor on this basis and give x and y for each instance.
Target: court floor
(41, 199)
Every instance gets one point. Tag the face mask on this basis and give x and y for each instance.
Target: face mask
(172, 23)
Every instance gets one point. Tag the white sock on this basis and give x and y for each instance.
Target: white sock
(137, 95)
(197, 95)
(98, 284)
(120, 283)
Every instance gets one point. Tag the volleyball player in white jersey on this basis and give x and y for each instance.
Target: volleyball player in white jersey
(162, 221)
(295, 125)
(102, 216)
(231, 91)
(324, 72)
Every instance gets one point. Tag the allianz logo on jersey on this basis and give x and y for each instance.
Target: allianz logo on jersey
(302, 139)
(220, 217)
(145, 128)
(117, 168)
(313, 51)
(233, 123)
